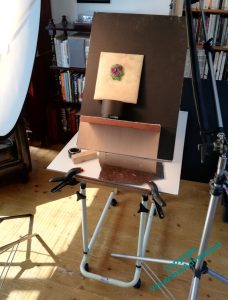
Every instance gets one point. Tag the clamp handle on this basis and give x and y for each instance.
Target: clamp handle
(158, 201)
(155, 194)
(67, 179)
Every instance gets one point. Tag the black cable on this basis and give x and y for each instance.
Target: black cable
(200, 105)
(196, 80)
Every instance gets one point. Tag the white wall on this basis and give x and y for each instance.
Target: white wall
(132, 6)
(64, 7)
(71, 8)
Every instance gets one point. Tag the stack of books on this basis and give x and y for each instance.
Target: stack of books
(72, 51)
(220, 65)
(213, 4)
(72, 86)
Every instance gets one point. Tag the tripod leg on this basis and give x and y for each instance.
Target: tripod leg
(29, 241)
(203, 246)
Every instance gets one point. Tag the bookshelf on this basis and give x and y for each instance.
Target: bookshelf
(35, 106)
(69, 44)
(191, 156)
(217, 28)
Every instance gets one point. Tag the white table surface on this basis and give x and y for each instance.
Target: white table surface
(172, 169)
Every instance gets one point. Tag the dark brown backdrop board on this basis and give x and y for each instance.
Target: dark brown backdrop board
(163, 42)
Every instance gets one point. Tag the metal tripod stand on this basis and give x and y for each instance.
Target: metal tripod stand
(216, 191)
(220, 145)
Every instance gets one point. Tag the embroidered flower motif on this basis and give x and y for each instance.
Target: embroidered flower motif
(117, 72)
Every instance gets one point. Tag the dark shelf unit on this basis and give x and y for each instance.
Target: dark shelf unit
(79, 70)
(77, 26)
(57, 131)
(217, 28)
(192, 168)
(35, 107)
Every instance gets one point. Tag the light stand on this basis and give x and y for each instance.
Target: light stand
(220, 145)
(19, 31)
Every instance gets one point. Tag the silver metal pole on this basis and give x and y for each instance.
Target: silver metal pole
(84, 220)
(218, 276)
(102, 217)
(142, 225)
(203, 244)
(148, 226)
(207, 230)
(150, 259)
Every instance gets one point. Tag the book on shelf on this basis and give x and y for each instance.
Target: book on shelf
(71, 51)
(216, 29)
(211, 26)
(212, 4)
(217, 70)
(74, 83)
(62, 83)
(69, 86)
(205, 73)
(66, 86)
(73, 121)
(69, 120)
(216, 58)
(224, 36)
(61, 51)
(81, 85)
(64, 53)
(220, 76)
(78, 44)
(225, 72)
(57, 43)
(220, 64)
(218, 37)
(72, 86)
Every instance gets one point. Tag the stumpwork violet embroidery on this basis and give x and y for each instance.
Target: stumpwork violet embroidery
(117, 72)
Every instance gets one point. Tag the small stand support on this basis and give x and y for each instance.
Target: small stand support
(143, 236)
(27, 264)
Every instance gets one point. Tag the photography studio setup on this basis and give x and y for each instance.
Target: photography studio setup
(113, 164)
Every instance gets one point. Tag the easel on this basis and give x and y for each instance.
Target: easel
(92, 169)
(153, 100)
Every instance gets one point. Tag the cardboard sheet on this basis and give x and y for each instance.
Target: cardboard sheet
(121, 123)
(128, 162)
(127, 87)
(119, 140)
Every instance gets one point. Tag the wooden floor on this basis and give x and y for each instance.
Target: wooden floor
(57, 219)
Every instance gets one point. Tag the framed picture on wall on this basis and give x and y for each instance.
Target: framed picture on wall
(93, 1)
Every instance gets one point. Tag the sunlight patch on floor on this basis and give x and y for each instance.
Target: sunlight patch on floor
(23, 295)
(66, 216)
